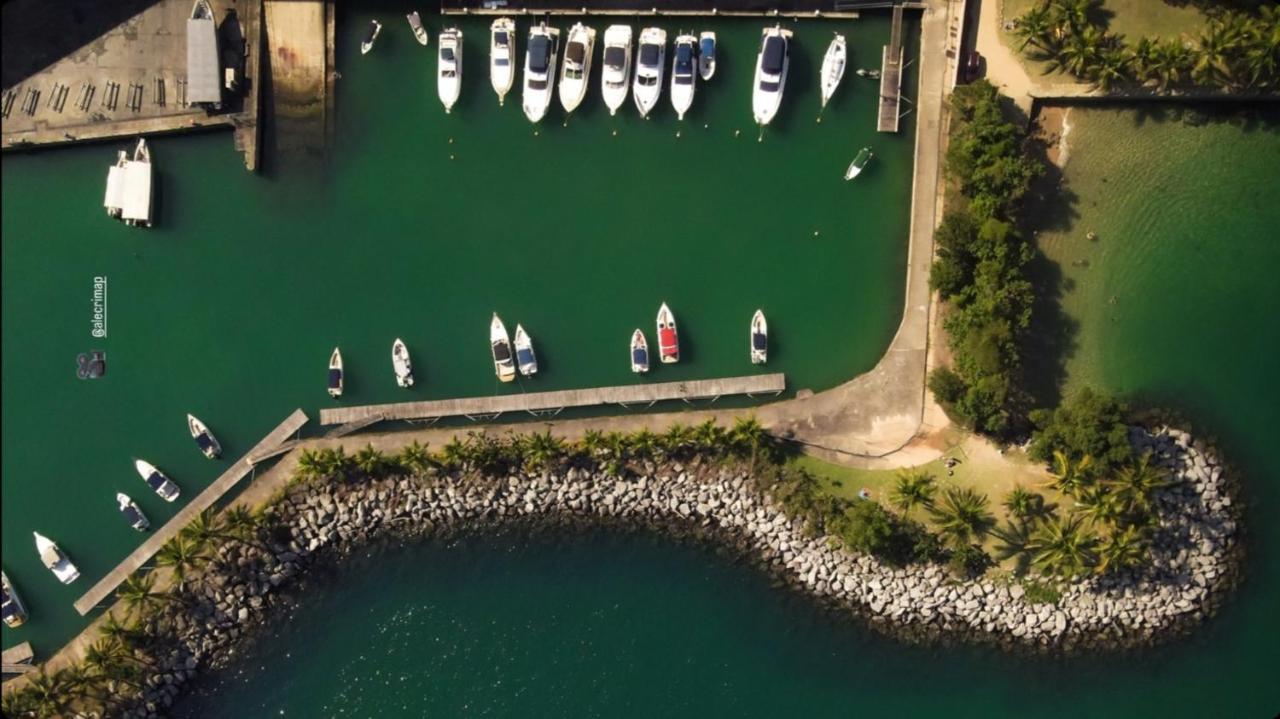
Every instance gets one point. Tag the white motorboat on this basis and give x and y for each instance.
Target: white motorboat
(205, 440)
(132, 512)
(56, 560)
(668, 336)
(526, 360)
(419, 32)
(650, 58)
(15, 614)
(449, 67)
(500, 346)
(370, 37)
(135, 208)
(401, 363)
(616, 74)
(859, 162)
(684, 74)
(539, 70)
(833, 64)
(772, 64)
(576, 70)
(639, 352)
(502, 56)
(759, 338)
(114, 199)
(156, 480)
(707, 54)
(335, 374)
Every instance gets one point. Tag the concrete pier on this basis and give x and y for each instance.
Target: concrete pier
(891, 77)
(204, 500)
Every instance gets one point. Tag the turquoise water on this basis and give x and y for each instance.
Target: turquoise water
(230, 307)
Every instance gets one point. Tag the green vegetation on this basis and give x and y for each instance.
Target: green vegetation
(1088, 427)
(1040, 592)
(980, 270)
(1237, 49)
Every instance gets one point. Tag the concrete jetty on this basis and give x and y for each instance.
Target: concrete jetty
(891, 58)
(554, 402)
(140, 556)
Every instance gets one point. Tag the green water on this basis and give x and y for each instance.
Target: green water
(625, 626)
(230, 307)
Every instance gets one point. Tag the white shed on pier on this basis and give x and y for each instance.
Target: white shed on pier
(204, 76)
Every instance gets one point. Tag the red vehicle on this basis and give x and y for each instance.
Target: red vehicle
(668, 339)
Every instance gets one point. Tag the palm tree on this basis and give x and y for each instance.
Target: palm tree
(708, 435)
(643, 442)
(676, 439)
(592, 442)
(182, 555)
(1081, 52)
(241, 525)
(1070, 477)
(139, 594)
(52, 695)
(1014, 538)
(1218, 45)
(309, 465)
(334, 461)
(912, 488)
(1134, 483)
(114, 629)
(1075, 13)
(1062, 546)
(1112, 67)
(542, 449)
(747, 435)
(454, 454)
(1124, 549)
(1100, 507)
(1035, 28)
(962, 516)
(206, 529)
(370, 460)
(1170, 63)
(414, 457)
(18, 703)
(1024, 504)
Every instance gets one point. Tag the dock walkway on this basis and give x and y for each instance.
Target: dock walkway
(18, 660)
(891, 77)
(202, 501)
(553, 402)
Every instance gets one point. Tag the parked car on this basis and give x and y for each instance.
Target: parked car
(972, 66)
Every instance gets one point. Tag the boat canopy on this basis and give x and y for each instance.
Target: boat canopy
(371, 32)
(615, 57)
(500, 38)
(684, 57)
(501, 352)
(539, 53)
(524, 356)
(446, 54)
(575, 53)
(639, 356)
(204, 81)
(335, 378)
(667, 337)
(155, 480)
(649, 54)
(132, 514)
(137, 192)
(115, 188)
(759, 341)
(775, 49)
(204, 442)
(50, 556)
(707, 47)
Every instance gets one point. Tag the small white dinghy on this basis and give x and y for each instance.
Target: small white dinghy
(616, 74)
(859, 162)
(759, 338)
(156, 480)
(576, 70)
(419, 32)
(449, 68)
(707, 55)
(684, 74)
(56, 560)
(132, 513)
(370, 37)
(639, 352)
(205, 440)
(650, 60)
(526, 360)
(833, 64)
(500, 347)
(401, 363)
(539, 71)
(335, 374)
(502, 56)
(668, 336)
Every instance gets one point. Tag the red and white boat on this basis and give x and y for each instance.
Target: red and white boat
(668, 338)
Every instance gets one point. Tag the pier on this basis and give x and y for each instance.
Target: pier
(18, 660)
(236, 472)
(891, 77)
(551, 403)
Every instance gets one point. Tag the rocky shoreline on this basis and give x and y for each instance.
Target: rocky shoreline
(1195, 557)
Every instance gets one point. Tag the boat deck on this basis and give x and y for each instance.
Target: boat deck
(204, 500)
(540, 403)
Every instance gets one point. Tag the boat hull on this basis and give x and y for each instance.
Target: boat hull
(449, 69)
(502, 73)
(402, 364)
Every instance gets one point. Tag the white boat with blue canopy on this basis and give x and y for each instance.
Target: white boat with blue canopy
(684, 74)
(156, 480)
(539, 71)
(639, 352)
(205, 440)
(132, 512)
(707, 54)
(772, 64)
(650, 60)
(526, 360)
(615, 76)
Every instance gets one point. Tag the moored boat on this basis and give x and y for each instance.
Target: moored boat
(401, 363)
(419, 32)
(500, 347)
(639, 352)
(539, 70)
(668, 336)
(526, 360)
(205, 440)
(136, 207)
(759, 338)
(502, 56)
(114, 199)
(370, 37)
(132, 512)
(15, 613)
(833, 64)
(616, 74)
(859, 162)
(156, 480)
(707, 54)
(772, 63)
(684, 74)
(650, 58)
(336, 377)
(449, 67)
(576, 70)
(52, 556)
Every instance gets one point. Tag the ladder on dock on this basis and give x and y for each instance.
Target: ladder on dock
(891, 77)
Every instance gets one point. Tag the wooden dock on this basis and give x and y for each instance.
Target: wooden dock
(18, 660)
(891, 77)
(236, 472)
(550, 403)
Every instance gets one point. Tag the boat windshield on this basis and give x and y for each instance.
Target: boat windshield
(501, 61)
(649, 55)
(614, 56)
(537, 84)
(203, 441)
(446, 54)
(575, 53)
(131, 514)
(539, 54)
(775, 50)
(759, 341)
(769, 86)
(501, 352)
(335, 378)
(154, 480)
(525, 356)
(500, 38)
(708, 47)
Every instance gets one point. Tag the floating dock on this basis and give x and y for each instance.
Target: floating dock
(542, 403)
(140, 556)
(891, 77)
(18, 660)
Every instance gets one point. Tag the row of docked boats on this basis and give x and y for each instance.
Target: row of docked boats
(668, 334)
(630, 64)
